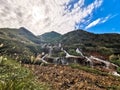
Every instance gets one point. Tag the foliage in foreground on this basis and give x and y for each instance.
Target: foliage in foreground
(15, 77)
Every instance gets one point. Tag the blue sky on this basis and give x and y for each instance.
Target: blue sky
(62, 16)
(109, 8)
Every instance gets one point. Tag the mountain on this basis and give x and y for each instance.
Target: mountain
(49, 37)
(18, 44)
(103, 43)
(106, 44)
(22, 45)
(21, 34)
(77, 36)
(27, 34)
(84, 37)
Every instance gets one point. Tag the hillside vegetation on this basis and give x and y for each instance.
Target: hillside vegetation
(105, 44)
(21, 35)
(49, 37)
(15, 77)
(19, 44)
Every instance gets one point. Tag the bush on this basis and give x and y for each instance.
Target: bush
(62, 54)
(115, 59)
(105, 51)
(73, 52)
(118, 70)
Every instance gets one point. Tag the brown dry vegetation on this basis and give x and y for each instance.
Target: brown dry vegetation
(67, 78)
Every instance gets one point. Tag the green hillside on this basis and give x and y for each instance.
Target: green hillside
(19, 44)
(49, 37)
(23, 46)
(21, 34)
(103, 43)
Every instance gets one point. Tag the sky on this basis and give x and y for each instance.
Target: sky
(40, 16)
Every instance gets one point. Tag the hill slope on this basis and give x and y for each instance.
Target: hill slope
(21, 34)
(18, 44)
(105, 43)
(68, 78)
(49, 37)
(80, 36)
(77, 36)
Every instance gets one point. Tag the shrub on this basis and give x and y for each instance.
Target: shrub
(118, 70)
(115, 59)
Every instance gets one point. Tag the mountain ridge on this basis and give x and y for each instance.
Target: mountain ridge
(19, 44)
(82, 33)
(87, 41)
(49, 36)
(21, 34)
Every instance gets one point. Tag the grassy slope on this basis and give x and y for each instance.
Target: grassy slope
(15, 77)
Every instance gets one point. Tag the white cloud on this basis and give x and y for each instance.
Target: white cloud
(105, 19)
(41, 16)
(93, 23)
(98, 21)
